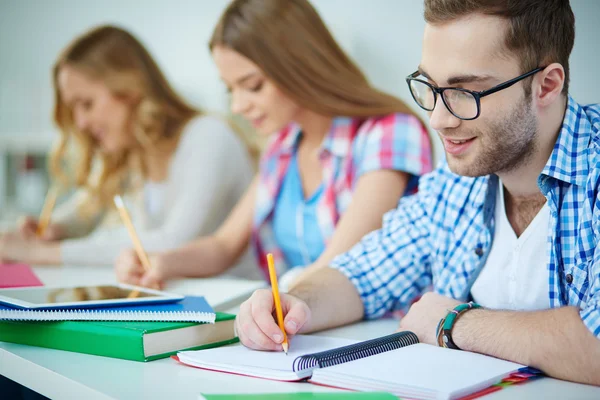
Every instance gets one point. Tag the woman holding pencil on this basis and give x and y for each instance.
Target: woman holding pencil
(125, 131)
(340, 155)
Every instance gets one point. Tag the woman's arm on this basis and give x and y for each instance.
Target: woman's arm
(206, 256)
(25, 246)
(387, 155)
(376, 193)
(66, 221)
(214, 254)
(71, 222)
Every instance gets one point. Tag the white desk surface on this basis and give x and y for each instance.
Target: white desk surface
(66, 375)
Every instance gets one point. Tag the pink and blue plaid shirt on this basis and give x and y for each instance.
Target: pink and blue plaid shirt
(352, 147)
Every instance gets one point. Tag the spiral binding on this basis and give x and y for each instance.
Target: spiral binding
(355, 351)
(105, 315)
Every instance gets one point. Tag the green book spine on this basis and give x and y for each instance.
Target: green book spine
(81, 337)
(110, 339)
(206, 346)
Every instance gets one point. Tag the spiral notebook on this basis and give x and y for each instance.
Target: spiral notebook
(396, 363)
(190, 309)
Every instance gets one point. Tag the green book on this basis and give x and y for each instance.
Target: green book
(302, 396)
(137, 341)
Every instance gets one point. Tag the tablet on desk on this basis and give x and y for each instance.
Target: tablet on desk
(108, 295)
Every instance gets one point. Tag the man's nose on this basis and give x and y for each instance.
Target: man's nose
(441, 118)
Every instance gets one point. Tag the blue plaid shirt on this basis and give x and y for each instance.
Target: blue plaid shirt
(441, 236)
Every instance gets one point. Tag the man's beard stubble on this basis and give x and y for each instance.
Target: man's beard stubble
(504, 147)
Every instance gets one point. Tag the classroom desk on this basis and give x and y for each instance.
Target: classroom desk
(66, 375)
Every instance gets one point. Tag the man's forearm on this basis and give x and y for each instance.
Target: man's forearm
(331, 297)
(555, 341)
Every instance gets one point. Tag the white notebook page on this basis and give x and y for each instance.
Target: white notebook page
(420, 370)
(265, 364)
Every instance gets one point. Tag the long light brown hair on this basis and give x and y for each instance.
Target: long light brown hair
(289, 41)
(117, 59)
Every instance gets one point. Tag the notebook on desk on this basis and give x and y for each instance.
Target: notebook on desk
(301, 396)
(190, 309)
(136, 341)
(17, 275)
(395, 363)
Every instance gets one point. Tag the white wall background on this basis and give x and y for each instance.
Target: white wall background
(383, 36)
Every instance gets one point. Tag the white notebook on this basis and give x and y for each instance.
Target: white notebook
(239, 359)
(394, 363)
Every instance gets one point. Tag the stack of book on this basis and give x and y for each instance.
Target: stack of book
(142, 332)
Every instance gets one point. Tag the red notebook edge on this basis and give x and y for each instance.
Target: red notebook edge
(174, 357)
(18, 275)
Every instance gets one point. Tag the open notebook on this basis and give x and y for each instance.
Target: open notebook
(395, 363)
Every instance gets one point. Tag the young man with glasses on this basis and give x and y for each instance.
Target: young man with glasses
(506, 230)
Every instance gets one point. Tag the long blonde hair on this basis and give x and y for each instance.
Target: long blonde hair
(115, 57)
(288, 40)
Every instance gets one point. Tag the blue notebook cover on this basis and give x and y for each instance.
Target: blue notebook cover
(190, 309)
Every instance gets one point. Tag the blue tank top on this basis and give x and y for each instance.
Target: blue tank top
(295, 222)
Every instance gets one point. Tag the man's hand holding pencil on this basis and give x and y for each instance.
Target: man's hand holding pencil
(257, 325)
(268, 319)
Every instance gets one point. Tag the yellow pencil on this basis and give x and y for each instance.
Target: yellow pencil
(277, 299)
(137, 244)
(47, 209)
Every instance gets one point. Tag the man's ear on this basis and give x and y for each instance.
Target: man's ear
(548, 84)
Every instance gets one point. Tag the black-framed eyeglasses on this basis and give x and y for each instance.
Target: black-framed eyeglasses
(462, 103)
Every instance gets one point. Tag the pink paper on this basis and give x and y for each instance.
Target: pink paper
(17, 275)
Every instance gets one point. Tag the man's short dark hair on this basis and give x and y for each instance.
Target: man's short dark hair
(540, 31)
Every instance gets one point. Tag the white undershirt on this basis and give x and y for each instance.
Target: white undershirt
(154, 198)
(515, 276)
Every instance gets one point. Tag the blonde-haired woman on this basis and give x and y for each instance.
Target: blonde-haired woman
(341, 153)
(124, 130)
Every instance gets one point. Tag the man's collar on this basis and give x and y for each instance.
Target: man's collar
(568, 160)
